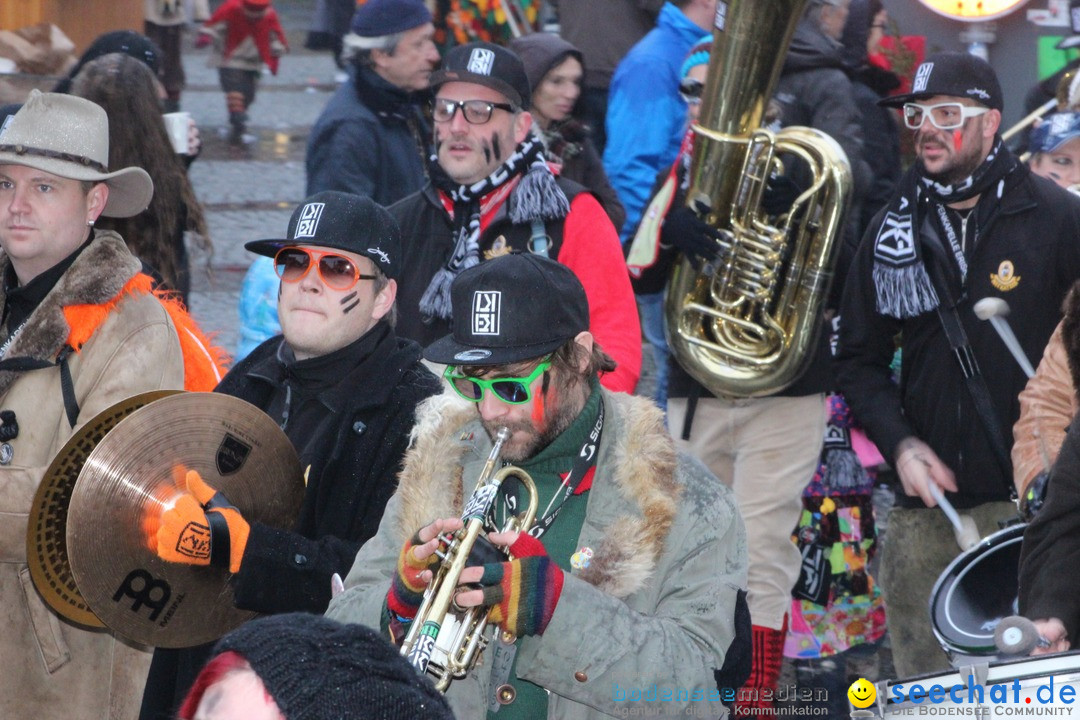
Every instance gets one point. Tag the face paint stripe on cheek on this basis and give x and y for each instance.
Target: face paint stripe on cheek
(958, 138)
(352, 307)
(349, 297)
(496, 148)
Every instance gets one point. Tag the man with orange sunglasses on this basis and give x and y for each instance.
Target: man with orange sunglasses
(344, 388)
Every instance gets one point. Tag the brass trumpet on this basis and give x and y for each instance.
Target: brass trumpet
(445, 641)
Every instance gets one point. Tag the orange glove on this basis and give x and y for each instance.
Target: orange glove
(202, 528)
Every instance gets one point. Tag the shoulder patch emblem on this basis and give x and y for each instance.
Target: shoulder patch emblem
(1005, 278)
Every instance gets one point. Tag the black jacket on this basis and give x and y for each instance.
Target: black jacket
(370, 140)
(1030, 236)
(367, 434)
(428, 241)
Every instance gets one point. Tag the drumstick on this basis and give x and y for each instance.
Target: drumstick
(967, 534)
(995, 310)
(1016, 635)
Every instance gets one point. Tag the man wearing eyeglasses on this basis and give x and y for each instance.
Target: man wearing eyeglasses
(491, 193)
(623, 597)
(344, 388)
(968, 222)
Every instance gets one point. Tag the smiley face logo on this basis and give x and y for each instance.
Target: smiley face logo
(862, 693)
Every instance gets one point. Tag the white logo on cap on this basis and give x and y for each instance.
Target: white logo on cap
(481, 61)
(979, 92)
(922, 77)
(309, 220)
(472, 355)
(1059, 123)
(487, 308)
(384, 256)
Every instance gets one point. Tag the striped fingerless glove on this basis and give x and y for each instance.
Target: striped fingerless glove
(523, 592)
(407, 590)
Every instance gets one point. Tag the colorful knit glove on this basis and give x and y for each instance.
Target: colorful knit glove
(407, 589)
(523, 592)
(202, 528)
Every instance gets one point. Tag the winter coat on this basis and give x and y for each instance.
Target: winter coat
(1047, 406)
(1048, 553)
(605, 30)
(366, 430)
(370, 140)
(646, 85)
(584, 241)
(656, 603)
(570, 146)
(815, 91)
(1027, 254)
(53, 669)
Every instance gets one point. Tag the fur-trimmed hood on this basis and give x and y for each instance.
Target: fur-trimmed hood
(98, 275)
(635, 483)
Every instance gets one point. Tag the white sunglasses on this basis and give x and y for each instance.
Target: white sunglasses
(944, 116)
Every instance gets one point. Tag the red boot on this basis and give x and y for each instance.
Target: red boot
(766, 658)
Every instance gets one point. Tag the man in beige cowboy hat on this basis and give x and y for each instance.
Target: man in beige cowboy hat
(79, 331)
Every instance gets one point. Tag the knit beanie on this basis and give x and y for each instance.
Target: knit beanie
(319, 669)
(542, 52)
(379, 18)
(698, 55)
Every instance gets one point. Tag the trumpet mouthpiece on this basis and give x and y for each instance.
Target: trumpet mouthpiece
(991, 307)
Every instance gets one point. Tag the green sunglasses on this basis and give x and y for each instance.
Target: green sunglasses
(514, 391)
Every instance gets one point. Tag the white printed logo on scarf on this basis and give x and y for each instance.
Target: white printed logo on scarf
(487, 309)
(720, 21)
(481, 61)
(896, 242)
(308, 224)
(922, 77)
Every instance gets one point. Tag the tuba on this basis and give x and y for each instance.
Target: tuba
(747, 324)
(445, 641)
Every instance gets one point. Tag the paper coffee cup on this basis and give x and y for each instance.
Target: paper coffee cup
(177, 125)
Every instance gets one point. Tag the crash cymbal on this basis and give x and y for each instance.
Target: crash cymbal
(134, 473)
(46, 532)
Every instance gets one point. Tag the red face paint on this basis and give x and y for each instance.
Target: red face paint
(538, 410)
(958, 139)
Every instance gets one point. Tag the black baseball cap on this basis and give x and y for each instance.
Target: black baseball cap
(512, 308)
(486, 64)
(1074, 25)
(958, 74)
(342, 221)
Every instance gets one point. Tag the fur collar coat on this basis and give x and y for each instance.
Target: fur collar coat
(655, 605)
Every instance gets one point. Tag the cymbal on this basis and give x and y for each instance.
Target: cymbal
(134, 473)
(46, 532)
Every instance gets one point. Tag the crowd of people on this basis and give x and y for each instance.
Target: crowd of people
(508, 216)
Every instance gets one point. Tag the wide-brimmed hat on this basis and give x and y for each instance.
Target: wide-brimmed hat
(342, 221)
(512, 308)
(68, 136)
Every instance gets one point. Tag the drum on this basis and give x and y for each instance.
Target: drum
(1028, 686)
(976, 591)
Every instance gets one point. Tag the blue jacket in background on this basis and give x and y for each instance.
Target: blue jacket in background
(371, 140)
(646, 117)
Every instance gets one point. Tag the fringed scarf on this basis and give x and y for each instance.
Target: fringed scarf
(536, 197)
(903, 285)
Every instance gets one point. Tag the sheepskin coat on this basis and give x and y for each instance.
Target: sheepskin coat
(54, 669)
(656, 603)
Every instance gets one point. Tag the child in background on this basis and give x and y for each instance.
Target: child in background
(246, 34)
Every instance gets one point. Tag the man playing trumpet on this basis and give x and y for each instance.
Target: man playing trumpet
(626, 588)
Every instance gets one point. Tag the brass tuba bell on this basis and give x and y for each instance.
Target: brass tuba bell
(747, 326)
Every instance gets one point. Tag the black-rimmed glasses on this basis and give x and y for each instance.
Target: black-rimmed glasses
(476, 112)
